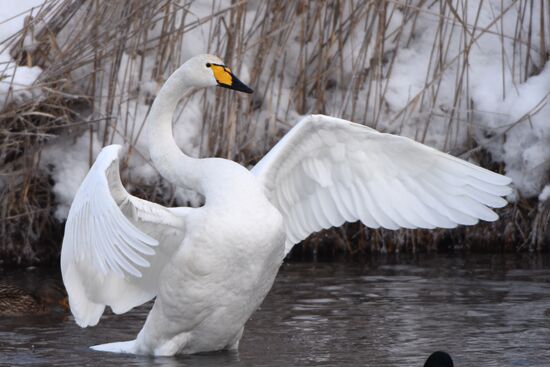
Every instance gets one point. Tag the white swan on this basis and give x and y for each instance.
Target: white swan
(212, 266)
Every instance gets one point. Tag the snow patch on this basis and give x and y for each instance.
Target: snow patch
(16, 81)
(545, 194)
(68, 164)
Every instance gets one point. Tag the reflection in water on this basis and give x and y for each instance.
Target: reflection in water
(485, 310)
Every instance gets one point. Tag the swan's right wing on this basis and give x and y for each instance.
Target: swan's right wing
(115, 244)
(326, 171)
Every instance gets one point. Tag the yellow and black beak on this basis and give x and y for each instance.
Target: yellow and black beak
(226, 79)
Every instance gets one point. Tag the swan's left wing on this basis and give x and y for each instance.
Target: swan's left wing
(327, 171)
(115, 245)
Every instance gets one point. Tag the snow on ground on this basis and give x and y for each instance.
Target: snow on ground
(68, 160)
(526, 149)
(545, 193)
(14, 77)
(499, 95)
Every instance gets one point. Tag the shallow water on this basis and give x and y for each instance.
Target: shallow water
(484, 310)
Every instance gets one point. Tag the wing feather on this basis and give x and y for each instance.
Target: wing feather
(342, 203)
(115, 245)
(325, 171)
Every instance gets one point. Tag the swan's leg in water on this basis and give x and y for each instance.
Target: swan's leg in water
(151, 341)
(234, 345)
(159, 336)
(172, 346)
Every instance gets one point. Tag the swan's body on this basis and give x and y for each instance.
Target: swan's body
(218, 277)
(211, 267)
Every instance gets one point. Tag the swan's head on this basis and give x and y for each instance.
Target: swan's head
(209, 70)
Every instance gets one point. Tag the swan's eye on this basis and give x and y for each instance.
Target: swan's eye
(208, 65)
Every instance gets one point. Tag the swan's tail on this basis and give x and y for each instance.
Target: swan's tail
(117, 347)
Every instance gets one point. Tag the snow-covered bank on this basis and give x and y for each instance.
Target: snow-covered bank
(471, 78)
(16, 80)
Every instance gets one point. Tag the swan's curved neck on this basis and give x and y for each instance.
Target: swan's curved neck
(172, 163)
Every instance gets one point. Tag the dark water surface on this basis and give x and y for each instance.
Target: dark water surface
(485, 310)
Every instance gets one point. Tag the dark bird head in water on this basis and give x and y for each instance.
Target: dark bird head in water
(439, 359)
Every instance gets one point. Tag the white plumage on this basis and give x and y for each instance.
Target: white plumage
(111, 243)
(327, 171)
(211, 267)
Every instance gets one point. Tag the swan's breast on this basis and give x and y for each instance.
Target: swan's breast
(223, 270)
(233, 238)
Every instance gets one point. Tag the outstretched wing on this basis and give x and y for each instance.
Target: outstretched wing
(327, 171)
(115, 244)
